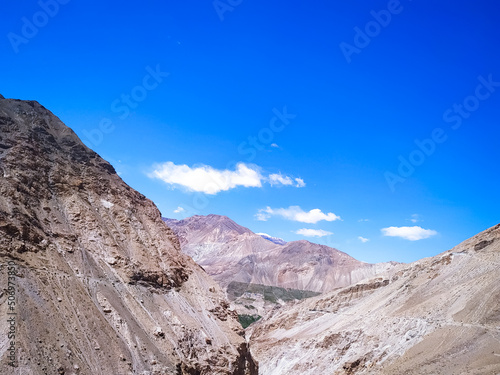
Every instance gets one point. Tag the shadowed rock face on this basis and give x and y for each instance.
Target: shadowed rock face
(439, 315)
(101, 286)
(230, 252)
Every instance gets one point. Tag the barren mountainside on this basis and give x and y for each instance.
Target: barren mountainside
(439, 315)
(101, 286)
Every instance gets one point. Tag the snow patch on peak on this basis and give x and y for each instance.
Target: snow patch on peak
(276, 240)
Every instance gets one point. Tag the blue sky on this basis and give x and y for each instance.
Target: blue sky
(372, 124)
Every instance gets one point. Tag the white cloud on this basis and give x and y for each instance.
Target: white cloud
(415, 218)
(313, 232)
(300, 182)
(295, 213)
(179, 209)
(362, 220)
(362, 239)
(409, 233)
(274, 145)
(206, 179)
(279, 179)
(262, 216)
(209, 180)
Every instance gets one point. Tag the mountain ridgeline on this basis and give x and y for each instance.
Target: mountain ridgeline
(230, 252)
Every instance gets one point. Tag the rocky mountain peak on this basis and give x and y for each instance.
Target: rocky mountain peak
(230, 252)
(214, 228)
(95, 256)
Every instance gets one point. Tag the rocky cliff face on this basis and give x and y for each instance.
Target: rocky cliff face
(439, 315)
(230, 252)
(101, 285)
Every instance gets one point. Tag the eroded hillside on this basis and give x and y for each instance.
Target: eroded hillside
(439, 315)
(101, 285)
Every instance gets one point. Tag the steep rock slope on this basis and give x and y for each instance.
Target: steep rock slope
(439, 315)
(230, 252)
(101, 286)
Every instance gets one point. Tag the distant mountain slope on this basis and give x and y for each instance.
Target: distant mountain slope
(439, 315)
(102, 286)
(230, 252)
(216, 240)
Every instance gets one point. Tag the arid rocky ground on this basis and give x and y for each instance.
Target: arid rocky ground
(439, 315)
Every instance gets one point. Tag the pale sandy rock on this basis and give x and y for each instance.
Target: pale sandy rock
(439, 315)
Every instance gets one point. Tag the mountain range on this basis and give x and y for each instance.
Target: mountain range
(230, 252)
(96, 282)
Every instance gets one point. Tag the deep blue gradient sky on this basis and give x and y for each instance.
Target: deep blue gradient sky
(429, 71)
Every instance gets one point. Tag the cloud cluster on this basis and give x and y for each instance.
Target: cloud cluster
(279, 179)
(295, 213)
(208, 180)
(409, 233)
(313, 232)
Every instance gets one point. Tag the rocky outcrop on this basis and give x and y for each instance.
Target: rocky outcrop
(101, 284)
(439, 315)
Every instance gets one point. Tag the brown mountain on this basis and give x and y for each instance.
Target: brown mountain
(101, 285)
(439, 315)
(230, 252)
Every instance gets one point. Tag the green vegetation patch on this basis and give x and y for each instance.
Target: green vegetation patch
(271, 293)
(246, 320)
